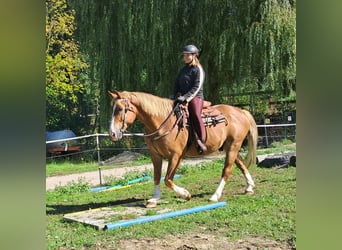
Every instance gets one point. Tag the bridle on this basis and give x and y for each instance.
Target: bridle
(126, 108)
(129, 108)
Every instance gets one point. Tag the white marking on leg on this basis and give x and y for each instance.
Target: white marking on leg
(217, 195)
(250, 183)
(181, 191)
(156, 195)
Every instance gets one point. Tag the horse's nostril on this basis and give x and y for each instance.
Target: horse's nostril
(112, 134)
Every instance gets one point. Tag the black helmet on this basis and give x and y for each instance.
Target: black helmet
(190, 49)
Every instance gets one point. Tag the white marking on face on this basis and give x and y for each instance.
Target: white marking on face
(111, 127)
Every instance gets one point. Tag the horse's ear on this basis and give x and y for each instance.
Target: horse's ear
(115, 95)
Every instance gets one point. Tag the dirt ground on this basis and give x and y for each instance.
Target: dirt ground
(202, 241)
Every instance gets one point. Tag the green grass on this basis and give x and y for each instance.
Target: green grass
(277, 148)
(269, 213)
(66, 167)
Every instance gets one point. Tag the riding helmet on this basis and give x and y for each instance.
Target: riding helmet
(190, 49)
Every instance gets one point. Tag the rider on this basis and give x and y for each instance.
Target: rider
(188, 88)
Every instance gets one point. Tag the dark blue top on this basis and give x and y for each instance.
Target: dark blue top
(189, 82)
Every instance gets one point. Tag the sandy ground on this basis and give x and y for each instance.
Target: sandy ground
(94, 177)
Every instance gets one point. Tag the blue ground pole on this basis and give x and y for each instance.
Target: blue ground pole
(140, 220)
(131, 182)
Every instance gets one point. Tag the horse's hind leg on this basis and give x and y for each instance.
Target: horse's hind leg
(157, 168)
(249, 180)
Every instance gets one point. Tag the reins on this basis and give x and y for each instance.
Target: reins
(164, 124)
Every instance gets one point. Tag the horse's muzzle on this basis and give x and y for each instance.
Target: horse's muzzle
(115, 135)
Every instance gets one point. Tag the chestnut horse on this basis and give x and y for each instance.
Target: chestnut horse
(165, 139)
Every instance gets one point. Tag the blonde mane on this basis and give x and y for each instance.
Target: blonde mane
(154, 105)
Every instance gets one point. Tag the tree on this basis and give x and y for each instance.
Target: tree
(246, 46)
(66, 78)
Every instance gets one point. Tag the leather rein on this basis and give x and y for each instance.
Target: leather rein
(164, 124)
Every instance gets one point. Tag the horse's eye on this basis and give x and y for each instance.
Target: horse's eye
(118, 109)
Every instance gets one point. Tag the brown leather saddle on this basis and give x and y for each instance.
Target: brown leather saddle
(210, 115)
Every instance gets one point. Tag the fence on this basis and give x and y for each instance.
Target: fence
(102, 147)
(269, 133)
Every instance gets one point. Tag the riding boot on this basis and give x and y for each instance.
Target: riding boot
(201, 147)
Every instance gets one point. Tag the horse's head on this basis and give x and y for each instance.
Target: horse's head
(123, 115)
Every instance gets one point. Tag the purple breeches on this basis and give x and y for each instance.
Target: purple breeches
(195, 109)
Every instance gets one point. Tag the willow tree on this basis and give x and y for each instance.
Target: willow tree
(246, 46)
(249, 46)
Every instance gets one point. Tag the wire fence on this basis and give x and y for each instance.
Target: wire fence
(269, 133)
(99, 146)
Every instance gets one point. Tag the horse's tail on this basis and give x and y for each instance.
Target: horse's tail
(252, 140)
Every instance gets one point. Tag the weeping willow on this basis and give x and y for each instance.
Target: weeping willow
(246, 46)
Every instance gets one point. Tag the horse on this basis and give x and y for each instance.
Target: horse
(165, 138)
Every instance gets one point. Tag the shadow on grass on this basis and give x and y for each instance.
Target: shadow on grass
(204, 196)
(65, 209)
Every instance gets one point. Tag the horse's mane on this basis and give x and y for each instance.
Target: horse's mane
(154, 105)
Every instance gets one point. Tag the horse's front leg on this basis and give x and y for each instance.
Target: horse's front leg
(226, 172)
(157, 167)
(171, 171)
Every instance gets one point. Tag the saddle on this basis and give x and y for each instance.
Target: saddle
(210, 115)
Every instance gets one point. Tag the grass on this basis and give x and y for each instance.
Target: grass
(269, 213)
(66, 167)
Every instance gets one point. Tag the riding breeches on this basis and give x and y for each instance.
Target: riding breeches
(195, 110)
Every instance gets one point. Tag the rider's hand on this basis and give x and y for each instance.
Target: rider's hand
(181, 99)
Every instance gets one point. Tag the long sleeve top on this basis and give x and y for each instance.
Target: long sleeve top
(189, 82)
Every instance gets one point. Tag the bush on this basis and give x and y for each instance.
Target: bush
(73, 187)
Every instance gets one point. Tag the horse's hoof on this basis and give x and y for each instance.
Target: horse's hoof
(151, 204)
(213, 199)
(188, 197)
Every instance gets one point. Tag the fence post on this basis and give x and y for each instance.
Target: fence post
(266, 121)
(98, 148)
(98, 156)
